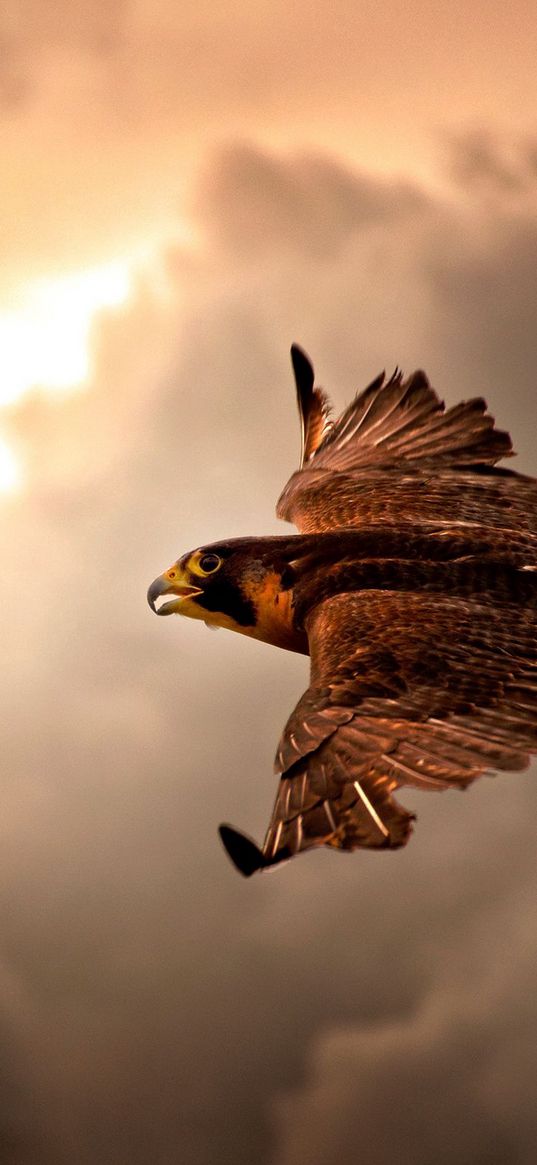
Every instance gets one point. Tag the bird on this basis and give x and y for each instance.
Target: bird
(412, 586)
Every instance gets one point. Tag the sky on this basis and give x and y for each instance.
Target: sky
(184, 191)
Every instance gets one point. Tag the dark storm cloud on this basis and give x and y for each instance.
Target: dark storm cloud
(170, 1010)
(492, 276)
(478, 162)
(437, 1083)
(251, 202)
(487, 164)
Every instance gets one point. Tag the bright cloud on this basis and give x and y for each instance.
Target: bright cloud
(45, 335)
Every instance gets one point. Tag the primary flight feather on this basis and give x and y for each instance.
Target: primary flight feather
(412, 585)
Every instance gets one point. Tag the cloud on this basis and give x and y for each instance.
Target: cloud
(479, 163)
(32, 34)
(168, 1002)
(252, 202)
(441, 1082)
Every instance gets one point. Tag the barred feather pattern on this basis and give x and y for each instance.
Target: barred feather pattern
(405, 690)
(396, 418)
(415, 582)
(396, 451)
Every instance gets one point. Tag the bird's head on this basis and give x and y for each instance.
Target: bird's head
(244, 584)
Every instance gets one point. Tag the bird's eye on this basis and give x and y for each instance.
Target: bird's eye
(208, 563)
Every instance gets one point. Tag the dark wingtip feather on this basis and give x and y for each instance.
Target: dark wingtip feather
(313, 404)
(303, 373)
(244, 853)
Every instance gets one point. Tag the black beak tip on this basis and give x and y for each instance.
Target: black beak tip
(244, 853)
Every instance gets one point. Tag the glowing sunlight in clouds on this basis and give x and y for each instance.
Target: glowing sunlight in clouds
(45, 337)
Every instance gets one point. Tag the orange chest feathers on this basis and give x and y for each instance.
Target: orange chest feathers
(274, 614)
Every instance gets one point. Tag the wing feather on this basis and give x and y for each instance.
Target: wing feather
(466, 676)
(405, 418)
(313, 405)
(375, 462)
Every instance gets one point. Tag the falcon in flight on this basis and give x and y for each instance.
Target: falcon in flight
(412, 586)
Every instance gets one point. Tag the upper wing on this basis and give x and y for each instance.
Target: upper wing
(395, 451)
(406, 689)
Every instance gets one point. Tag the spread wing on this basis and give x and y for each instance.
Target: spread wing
(406, 689)
(396, 451)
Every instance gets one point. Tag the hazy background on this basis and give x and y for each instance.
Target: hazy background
(184, 190)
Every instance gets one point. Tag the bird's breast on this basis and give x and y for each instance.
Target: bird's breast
(274, 614)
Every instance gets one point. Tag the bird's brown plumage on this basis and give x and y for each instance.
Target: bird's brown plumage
(416, 587)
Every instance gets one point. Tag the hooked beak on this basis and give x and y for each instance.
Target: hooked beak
(172, 582)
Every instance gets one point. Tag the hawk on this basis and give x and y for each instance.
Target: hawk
(412, 586)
